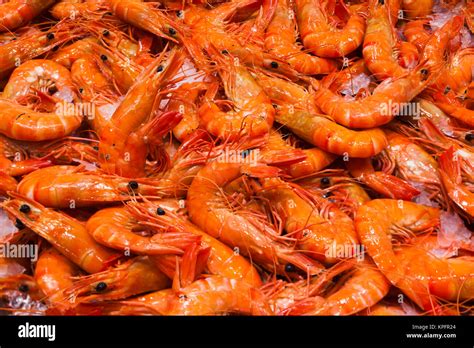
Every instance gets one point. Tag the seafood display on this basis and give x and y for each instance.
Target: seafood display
(220, 157)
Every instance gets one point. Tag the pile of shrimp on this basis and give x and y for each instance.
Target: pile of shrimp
(255, 157)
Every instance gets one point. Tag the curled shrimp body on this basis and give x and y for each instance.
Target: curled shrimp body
(16, 13)
(254, 112)
(318, 225)
(75, 9)
(349, 298)
(380, 219)
(280, 39)
(208, 208)
(65, 233)
(297, 112)
(321, 37)
(59, 119)
(416, 33)
(379, 43)
(380, 107)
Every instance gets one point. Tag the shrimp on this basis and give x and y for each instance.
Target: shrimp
(379, 220)
(45, 76)
(459, 72)
(222, 260)
(318, 225)
(133, 277)
(426, 277)
(385, 184)
(417, 8)
(450, 105)
(421, 172)
(16, 13)
(123, 147)
(321, 37)
(365, 287)
(255, 238)
(54, 273)
(213, 295)
(14, 162)
(280, 38)
(298, 114)
(450, 173)
(380, 107)
(116, 227)
(34, 44)
(65, 233)
(254, 113)
(380, 42)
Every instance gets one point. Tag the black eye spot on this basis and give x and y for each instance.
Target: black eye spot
(81, 90)
(469, 136)
(245, 153)
(424, 73)
(159, 69)
(172, 31)
(447, 90)
(381, 2)
(52, 89)
(55, 48)
(225, 52)
(19, 224)
(24, 288)
(106, 32)
(325, 181)
(274, 65)
(25, 208)
(103, 57)
(50, 36)
(96, 148)
(290, 268)
(179, 14)
(160, 211)
(100, 287)
(133, 185)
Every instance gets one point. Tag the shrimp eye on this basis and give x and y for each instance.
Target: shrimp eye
(55, 48)
(19, 224)
(133, 185)
(159, 69)
(179, 14)
(105, 32)
(160, 211)
(81, 90)
(52, 89)
(172, 31)
(290, 268)
(245, 154)
(96, 148)
(100, 287)
(469, 136)
(325, 181)
(24, 288)
(447, 90)
(225, 52)
(25, 208)
(103, 57)
(274, 65)
(381, 2)
(424, 72)
(50, 36)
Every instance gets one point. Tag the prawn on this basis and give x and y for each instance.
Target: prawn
(65, 233)
(209, 210)
(16, 13)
